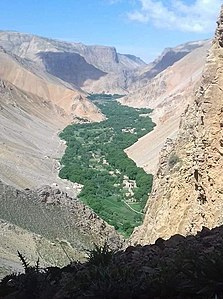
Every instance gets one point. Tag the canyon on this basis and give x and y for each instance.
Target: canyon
(187, 192)
(44, 85)
(168, 94)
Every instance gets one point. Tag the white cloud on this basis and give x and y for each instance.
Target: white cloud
(199, 16)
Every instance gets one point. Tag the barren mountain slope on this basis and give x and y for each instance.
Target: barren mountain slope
(167, 58)
(102, 57)
(168, 94)
(93, 68)
(29, 142)
(187, 192)
(132, 80)
(49, 88)
(49, 225)
(34, 107)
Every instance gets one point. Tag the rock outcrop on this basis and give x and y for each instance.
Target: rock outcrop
(187, 192)
(47, 222)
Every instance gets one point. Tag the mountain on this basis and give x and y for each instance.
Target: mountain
(46, 223)
(133, 81)
(43, 85)
(168, 57)
(142, 76)
(40, 83)
(187, 192)
(34, 107)
(168, 93)
(92, 68)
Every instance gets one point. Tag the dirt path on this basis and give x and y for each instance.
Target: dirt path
(132, 208)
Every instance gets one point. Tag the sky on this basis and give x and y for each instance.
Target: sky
(139, 27)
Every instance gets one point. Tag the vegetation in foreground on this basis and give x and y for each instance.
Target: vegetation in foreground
(179, 268)
(114, 187)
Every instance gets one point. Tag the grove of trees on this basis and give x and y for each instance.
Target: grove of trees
(95, 157)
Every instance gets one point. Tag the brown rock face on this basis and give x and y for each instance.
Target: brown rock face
(39, 83)
(187, 192)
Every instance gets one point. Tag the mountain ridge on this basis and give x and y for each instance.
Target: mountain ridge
(114, 73)
(35, 104)
(38, 99)
(105, 59)
(187, 192)
(168, 93)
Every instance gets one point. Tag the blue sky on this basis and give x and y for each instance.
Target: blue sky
(140, 27)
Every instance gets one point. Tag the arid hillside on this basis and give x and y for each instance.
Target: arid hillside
(48, 224)
(41, 221)
(187, 192)
(168, 93)
(34, 107)
(167, 58)
(93, 68)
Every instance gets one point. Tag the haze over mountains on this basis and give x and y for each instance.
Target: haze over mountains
(43, 88)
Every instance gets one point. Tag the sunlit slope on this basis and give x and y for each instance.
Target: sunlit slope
(168, 94)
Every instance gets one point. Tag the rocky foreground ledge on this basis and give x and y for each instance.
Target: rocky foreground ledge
(180, 267)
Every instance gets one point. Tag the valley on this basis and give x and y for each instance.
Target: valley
(113, 186)
(82, 129)
(111, 167)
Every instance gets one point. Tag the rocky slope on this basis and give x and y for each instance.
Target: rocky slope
(180, 267)
(168, 93)
(93, 68)
(167, 58)
(132, 81)
(48, 224)
(39, 83)
(187, 192)
(34, 106)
